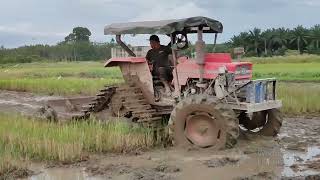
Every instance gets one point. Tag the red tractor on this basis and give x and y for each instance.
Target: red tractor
(213, 98)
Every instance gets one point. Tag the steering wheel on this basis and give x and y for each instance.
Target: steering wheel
(181, 41)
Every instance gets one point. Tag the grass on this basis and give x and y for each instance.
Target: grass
(38, 140)
(285, 59)
(302, 72)
(62, 78)
(54, 86)
(300, 98)
(301, 68)
(31, 139)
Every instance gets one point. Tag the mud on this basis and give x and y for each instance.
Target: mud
(253, 158)
(213, 163)
(294, 154)
(33, 105)
(17, 173)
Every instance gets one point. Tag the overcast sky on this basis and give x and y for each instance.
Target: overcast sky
(49, 21)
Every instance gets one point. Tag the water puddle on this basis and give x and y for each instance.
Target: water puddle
(298, 159)
(63, 173)
(15, 103)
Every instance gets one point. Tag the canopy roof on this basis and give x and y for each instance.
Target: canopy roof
(165, 26)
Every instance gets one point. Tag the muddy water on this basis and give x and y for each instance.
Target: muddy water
(21, 102)
(294, 153)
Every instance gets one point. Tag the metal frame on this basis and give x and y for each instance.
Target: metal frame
(124, 46)
(255, 102)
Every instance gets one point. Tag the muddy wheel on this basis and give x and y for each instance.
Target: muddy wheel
(266, 123)
(204, 122)
(257, 120)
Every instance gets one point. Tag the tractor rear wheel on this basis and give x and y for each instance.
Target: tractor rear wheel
(267, 123)
(204, 122)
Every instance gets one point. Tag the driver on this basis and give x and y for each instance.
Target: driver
(158, 59)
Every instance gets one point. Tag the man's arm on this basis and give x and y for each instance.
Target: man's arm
(148, 57)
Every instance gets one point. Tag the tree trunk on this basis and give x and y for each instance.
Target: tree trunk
(265, 47)
(256, 48)
(298, 44)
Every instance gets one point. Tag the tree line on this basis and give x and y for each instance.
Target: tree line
(256, 42)
(276, 41)
(75, 47)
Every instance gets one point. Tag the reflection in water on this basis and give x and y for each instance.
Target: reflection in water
(63, 174)
(290, 158)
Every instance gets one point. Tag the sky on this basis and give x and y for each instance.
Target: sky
(25, 22)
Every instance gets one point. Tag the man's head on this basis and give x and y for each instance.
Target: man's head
(154, 42)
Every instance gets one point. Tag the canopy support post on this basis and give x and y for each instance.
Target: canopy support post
(177, 92)
(200, 45)
(124, 46)
(215, 42)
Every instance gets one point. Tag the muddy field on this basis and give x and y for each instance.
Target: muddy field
(294, 154)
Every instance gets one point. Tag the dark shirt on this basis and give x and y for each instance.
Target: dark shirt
(159, 57)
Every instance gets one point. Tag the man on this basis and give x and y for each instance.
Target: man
(158, 58)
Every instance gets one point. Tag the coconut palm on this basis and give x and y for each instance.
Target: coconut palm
(267, 37)
(255, 37)
(315, 34)
(300, 36)
(241, 40)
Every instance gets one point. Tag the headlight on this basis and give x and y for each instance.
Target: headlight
(243, 70)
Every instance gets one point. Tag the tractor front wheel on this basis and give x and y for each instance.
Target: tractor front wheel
(265, 123)
(203, 121)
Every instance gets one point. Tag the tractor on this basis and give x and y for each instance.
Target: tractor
(213, 97)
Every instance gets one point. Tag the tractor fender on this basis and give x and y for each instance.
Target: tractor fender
(116, 61)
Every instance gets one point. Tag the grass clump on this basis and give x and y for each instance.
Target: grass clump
(10, 168)
(299, 98)
(32, 139)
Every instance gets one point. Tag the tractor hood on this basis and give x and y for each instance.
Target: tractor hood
(165, 26)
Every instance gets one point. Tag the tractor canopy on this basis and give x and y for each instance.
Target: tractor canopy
(185, 25)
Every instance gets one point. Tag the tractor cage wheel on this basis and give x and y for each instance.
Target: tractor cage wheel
(203, 121)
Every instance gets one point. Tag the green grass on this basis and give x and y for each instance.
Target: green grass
(25, 139)
(302, 68)
(300, 98)
(54, 86)
(62, 78)
(284, 59)
(60, 69)
(37, 140)
(288, 71)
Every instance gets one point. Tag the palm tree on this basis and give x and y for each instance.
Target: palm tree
(281, 36)
(300, 37)
(267, 37)
(241, 40)
(315, 34)
(255, 37)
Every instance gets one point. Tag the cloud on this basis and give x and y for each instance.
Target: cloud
(26, 29)
(174, 10)
(47, 21)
